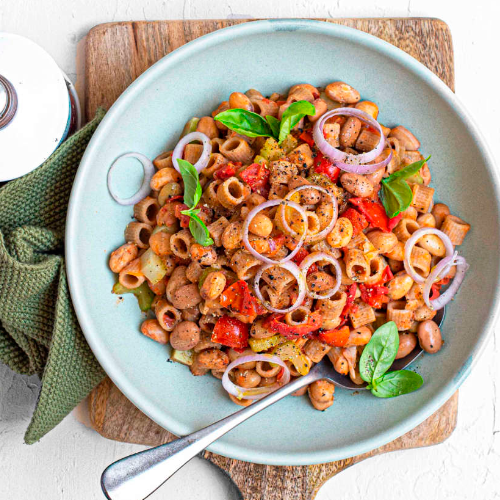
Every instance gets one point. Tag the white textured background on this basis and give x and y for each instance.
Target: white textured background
(67, 463)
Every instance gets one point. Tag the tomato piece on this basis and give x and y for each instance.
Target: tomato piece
(182, 217)
(349, 305)
(306, 136)
(375, 295)
(240, 299)
(230, 332)
(300, 256)
(335, 338)
(275, 324)
(374, 212)
(323, 165)
(357, 219)
(225, 172)
(256, 176)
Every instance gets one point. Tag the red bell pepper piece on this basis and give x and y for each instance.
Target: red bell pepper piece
(300, 256)
(335, 338)
(326, 167)
(256, 176)
(358, 220)
(374, 212)
(275, 324)
(226, 171)
(230, 332)
(175, 198)
(183, 218)
(241, 300)
(306, 136)
(394, 222)
(375, 295)
(349, 305)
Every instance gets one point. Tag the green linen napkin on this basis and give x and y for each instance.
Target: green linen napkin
(39, 332)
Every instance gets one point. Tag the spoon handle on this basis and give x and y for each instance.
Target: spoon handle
(137, 476)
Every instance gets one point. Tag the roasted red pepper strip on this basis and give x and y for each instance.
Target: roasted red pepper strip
(374, 212)
(306, 136)
(300, 256)
(349, 305)
(256, 176)
(358, 220)
(230, 332)
(435, 291)
(183, 218)
(375, 295)
(394, 222)
(225, 172)
(336, 338)
(326, 167)
(240, 299)
(275, 324)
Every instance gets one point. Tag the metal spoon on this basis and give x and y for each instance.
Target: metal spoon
(137, 476)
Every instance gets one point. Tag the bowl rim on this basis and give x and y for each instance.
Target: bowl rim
(206, 41)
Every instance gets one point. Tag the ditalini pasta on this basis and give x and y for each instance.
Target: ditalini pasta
(282, 230)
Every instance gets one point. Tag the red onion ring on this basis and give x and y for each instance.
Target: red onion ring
(256, 392)
(322, 234)
(442, 266)
(205, 155)
(254, 212)
(298, 275)
(145, 188)
(419, 233)
(345, 161)
(314, 257)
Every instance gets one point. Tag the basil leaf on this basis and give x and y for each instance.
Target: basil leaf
(274, 124)
(396, 197)
(379, 354)
(200, 231)
(245, 122)
(292, 115)
(406, 172)
(192, 186)
(397, 383)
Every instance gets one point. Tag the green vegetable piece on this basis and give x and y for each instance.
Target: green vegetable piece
(245, 122)
(192, 186)
(274, 124)
(397, 383)
(200, 231)
(190, 126)
(319, 180)
(183, 357)
(406, 172)
(143, 294)
(204, 275)
(292, 115)
(289, 144)
(379, 354)
(271, 150)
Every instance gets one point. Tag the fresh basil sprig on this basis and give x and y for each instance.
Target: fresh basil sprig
(251, 124)
(192, 196)
(377, 357)
(396, 194)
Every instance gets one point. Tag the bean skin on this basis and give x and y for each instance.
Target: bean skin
(185, 336)
(357, 185)
(429, 336)
(407, 342)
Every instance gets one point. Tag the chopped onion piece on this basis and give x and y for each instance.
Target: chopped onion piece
(440, 269)
(205, 154)
(419, 233)
(322, 234)
(145, 188)
(255, 211)
(152, 266)
(315, 257)
(346, 161)
(298, 275)
(256, 392)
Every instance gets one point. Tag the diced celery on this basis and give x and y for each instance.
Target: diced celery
(289, 144)
(260, 160)
(271, 150)
(190, 126)
(143, 294)
(183, 357)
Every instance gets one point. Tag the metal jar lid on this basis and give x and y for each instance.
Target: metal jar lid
(36, 101)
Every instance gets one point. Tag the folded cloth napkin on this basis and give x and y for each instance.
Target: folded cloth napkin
(39, 332)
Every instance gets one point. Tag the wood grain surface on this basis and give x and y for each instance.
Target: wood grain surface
(116, 54)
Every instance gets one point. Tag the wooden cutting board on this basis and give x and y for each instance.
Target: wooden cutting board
(116, 54)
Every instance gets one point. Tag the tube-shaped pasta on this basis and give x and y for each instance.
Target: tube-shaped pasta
(377, 266)
(232, 192)
(356, 266)
(147, 210)
(282, 172)
(138, 233)
(331, 309)
(302, 155)
(167, 315)
(402, 317)
(277, 300)
(405, 228)
(338, 360)
(163, 160)
(362, 315)
(440, 211)
(422, 197)
(244, 264)
(210, 193)
(207, 323)
(397, 253)
(278, 278)
(264, 107)
(415, 298)
(421, 261)
(237, 149)
(180, 243)
(455, 228)
(215, 162)
(131, 275)
(278, 191)
(316, 350)
(164, 176)
(297, 317)
(216, 229)
(424, 313)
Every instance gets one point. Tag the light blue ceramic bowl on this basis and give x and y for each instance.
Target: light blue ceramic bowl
(270, 56)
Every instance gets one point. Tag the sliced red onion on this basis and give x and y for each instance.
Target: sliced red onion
(263, 206)
(419, 233)
(145, 188)
(364, 169)
(346, 161)
(256, 392)
(322, 234)
(298, 275)
(439, 270)
(314, 257)
(205, 155)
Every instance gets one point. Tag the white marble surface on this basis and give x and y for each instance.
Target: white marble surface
(67, 463)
